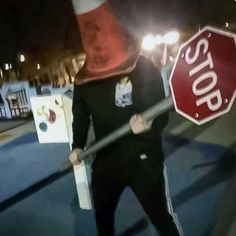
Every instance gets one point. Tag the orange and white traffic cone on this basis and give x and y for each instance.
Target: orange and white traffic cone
(108, 48)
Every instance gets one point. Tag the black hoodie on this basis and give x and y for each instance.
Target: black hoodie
(110, 103)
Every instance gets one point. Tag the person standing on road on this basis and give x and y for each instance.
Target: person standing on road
(114, 86)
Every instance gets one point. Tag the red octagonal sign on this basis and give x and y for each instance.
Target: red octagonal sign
(203, 79)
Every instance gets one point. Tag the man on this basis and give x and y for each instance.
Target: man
(110, 95)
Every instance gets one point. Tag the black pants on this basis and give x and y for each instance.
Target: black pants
(143, 173)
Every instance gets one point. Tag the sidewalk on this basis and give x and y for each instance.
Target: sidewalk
(8, 124)
(11, 130)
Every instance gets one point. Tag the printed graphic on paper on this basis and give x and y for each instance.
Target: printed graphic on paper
(123, 95)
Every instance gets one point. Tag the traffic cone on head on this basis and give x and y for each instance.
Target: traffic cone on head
(109, 50)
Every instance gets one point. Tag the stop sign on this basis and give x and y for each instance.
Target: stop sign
(203, 79)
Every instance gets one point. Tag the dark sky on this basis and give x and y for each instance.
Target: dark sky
(36, 26)
(47, 27)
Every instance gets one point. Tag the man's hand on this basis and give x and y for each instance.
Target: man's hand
(138, 124)
(74, 156)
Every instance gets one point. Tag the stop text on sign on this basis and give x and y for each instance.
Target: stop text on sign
(204, 81)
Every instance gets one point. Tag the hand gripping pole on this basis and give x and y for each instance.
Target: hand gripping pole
(151, 113)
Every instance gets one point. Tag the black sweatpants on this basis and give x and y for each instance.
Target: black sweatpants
(144, 174)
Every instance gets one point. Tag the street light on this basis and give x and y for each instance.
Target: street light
(22, 58)
(7, 66)
(171, 37)
(148, 43)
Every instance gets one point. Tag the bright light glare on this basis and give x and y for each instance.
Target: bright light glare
(22, 58)
(171, 37)
(226, 24)
(1, 74)
(149, 42)
(38, 66)
(159, 39)
(7, 67)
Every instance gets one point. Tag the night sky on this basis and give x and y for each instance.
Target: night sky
(45, 28)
